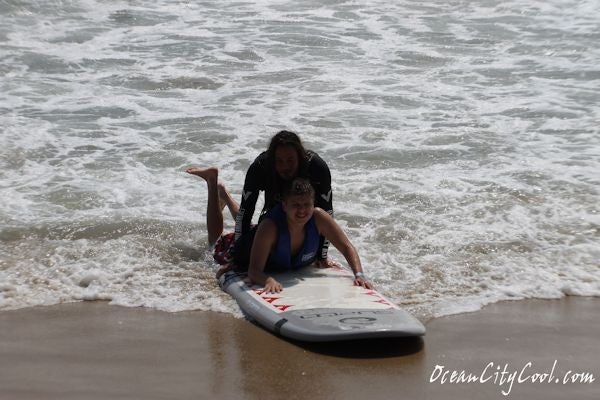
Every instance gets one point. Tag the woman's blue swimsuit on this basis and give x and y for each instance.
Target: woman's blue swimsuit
(281, 258)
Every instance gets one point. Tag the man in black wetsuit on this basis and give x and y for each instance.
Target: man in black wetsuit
(272, 171)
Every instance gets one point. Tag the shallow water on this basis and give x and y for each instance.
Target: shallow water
(462, 138)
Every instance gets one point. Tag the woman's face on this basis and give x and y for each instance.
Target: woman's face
(299, 209)
(286, 162)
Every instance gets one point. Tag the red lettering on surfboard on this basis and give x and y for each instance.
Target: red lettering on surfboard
(270, 299)
(382, 301)
(259, 291)
(282, 307)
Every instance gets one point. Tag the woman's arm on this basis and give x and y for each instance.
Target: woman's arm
(334, 233)
(264, 240)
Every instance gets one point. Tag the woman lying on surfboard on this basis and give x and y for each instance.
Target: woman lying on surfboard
(286, 238)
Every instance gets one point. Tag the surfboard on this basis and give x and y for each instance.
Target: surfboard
(321, 305)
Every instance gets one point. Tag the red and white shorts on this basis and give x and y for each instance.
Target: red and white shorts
(223, 252)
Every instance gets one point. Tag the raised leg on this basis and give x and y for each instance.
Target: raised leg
(214, 210)
(226, 198)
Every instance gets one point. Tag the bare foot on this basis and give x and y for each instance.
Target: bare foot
(208, 174)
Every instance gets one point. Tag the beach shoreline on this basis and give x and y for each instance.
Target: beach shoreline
(92, 350)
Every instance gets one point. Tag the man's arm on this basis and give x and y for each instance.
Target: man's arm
(320, 177)
(249, 197)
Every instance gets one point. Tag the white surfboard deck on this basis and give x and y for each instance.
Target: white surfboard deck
(320, 305)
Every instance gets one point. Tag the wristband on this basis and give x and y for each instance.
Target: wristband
(360, 275)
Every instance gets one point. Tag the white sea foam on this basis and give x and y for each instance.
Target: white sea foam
(462, 137)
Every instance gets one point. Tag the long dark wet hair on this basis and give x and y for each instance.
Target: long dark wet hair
(288, 138)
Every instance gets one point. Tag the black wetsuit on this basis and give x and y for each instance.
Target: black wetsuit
(261, 176)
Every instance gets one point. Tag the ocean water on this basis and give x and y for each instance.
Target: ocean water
(463, 139)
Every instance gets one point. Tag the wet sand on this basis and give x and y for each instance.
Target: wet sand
(96, 351)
